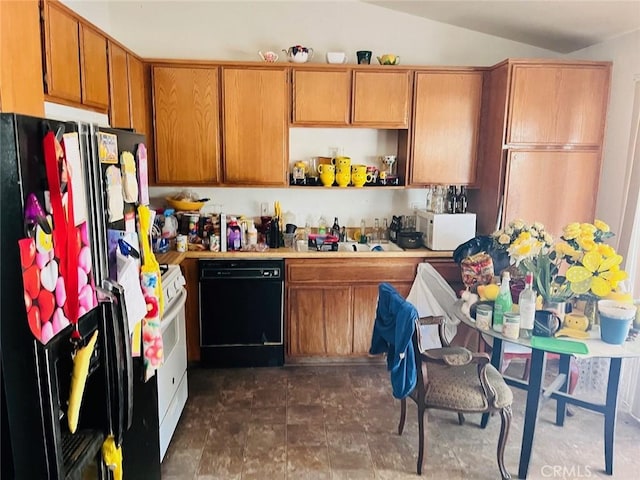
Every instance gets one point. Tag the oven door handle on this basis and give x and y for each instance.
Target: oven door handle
(177, 304)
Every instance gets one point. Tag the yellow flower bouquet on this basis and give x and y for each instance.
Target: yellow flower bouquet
(595, 266)
(592, 267)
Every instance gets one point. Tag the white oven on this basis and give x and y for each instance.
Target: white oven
(172, 376)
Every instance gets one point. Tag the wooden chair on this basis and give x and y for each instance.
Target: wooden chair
(455, 379)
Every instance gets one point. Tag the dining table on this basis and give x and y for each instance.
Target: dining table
(592, 347)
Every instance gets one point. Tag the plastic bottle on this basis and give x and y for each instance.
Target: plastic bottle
(503, 302)
(384, 233)
(527, 306)
(322, 226)
(375, 235)
(234, 235)
(252, 234)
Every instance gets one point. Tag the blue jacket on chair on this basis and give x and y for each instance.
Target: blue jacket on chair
(392, 332)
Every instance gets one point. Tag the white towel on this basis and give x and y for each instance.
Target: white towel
(432, 296)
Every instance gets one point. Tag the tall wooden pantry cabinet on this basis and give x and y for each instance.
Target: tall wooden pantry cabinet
(540, 151)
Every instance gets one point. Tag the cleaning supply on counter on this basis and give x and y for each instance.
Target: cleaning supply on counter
(503, 302)
(234, 235)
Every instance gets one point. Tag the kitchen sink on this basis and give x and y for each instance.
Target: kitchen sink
(368, 247)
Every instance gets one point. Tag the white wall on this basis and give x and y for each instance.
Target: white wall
(624, 51)
(225, 30)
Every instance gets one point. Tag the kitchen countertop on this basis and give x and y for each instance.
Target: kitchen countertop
(175, 258)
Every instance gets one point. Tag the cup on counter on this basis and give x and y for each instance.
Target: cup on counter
(289, 239)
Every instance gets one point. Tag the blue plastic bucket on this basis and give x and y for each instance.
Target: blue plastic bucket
(615, 320)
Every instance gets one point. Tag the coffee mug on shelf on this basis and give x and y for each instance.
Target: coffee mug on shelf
(342, 162)
(327, 174)
(343, 177)
(364, 57)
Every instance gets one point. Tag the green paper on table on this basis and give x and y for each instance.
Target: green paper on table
(559, 346)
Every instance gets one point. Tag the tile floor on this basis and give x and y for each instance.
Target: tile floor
(339, 422)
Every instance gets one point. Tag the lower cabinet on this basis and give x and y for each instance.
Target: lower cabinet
(331, 303)
(192, 308)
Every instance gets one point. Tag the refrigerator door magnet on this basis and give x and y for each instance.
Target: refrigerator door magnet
(129, 180)
(115, 200)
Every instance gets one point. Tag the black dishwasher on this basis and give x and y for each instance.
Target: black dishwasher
(241, 313)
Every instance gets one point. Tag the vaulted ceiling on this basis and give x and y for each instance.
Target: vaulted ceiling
(561, 26)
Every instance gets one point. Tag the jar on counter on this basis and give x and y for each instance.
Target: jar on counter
(484, 313)
(511, 325)
(181, 243)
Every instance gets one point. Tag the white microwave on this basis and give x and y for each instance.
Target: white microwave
(445, 231)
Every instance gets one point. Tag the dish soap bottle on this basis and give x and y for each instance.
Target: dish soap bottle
(234, 235)
(503, 302)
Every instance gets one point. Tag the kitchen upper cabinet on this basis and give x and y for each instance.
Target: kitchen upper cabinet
(552, 187)
(558, 104)
(93, 68)
(446, 126)
(321, 97)
(186, 112)
(532, 112)
(75, 58)
(139, 88)
(119, 101)
(21, 89)
(346, 97)
(381, 99)
(255, 126)
(62, 53)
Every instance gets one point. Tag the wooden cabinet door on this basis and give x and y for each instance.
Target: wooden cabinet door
(320, 321)
(119, 114)
(186, 108)
(255, 128)
(552, 187)
(321, 98)
(381, 99)
(189, 268)
(445, 127)
(21, 89)
(365, 300)
(93, 68)
(558, 104)
(138, 96)
(62, 47)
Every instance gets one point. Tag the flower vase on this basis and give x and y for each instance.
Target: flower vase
(558, 308)
(591, 312)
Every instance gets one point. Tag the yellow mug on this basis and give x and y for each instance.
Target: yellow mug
(359, 175)
(327, 174)
(342, 162)
(343, 177)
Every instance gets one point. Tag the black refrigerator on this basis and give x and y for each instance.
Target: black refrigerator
(36, 375)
